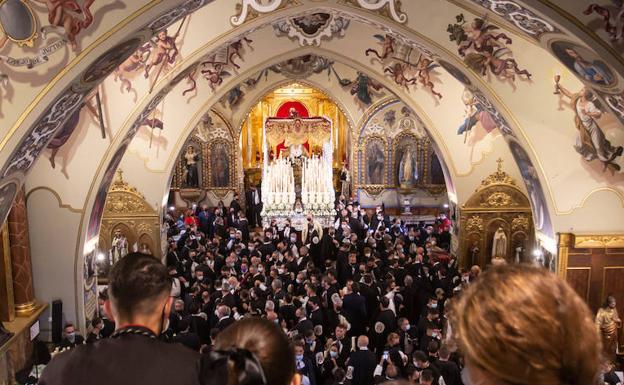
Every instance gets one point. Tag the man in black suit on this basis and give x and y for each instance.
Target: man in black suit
(255, 202)
(354, 307)
(139, 288)
(223, 314)
(71, 339)
(303, 324)
(186, 337)
(448, 369)
(362, 363)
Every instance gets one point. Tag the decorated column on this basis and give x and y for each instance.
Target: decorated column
(21, 265)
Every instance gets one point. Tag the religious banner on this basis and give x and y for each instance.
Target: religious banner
(297, 137)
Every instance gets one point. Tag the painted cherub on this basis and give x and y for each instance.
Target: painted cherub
(165, 51)
(424, 67)
(67, 14)
(487, 49)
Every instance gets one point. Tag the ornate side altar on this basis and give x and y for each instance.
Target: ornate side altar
(297, 174)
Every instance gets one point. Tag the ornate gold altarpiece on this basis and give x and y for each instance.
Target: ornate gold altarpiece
(497, 202)
(127, 210)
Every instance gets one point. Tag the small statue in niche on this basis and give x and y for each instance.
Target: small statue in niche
(474, 252)
(345, 181)
(499, 244)
(119, 246)
(190, 160)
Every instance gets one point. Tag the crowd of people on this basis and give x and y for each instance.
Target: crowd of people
(367, 282)
(365, 301)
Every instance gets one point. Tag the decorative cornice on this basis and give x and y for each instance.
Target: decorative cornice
(599, 241)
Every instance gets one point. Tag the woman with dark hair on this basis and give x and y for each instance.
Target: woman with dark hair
(252, 351)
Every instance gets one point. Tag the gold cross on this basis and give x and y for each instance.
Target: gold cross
(500, 164)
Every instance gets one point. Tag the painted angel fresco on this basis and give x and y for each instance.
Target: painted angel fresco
(216, 66)
(475, 113)
(613, 26)
(70, 15)
(483, 49)
(406, 65)
(154, 59)
(591, 142)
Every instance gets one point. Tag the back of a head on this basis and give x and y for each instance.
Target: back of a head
(533, 328)
(136, 283)
(267, 342)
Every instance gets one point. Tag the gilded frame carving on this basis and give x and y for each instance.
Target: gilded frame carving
(30, 40)
(228, 145)
(372, 189)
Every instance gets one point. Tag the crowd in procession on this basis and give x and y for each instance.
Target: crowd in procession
(368, 300)
(367, 282)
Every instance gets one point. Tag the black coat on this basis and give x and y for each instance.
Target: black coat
(363, 363)
(126, 360)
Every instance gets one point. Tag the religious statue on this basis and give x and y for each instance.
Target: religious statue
(345, 180)
(191, 174)
(608, 322)
(119, 246)
(499, 244)
(474, 252)
(407, 170)
(145, 249)
(298, 206)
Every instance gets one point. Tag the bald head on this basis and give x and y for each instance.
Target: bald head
(362, 342)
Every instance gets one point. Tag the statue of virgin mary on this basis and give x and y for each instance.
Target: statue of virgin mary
(408, 174)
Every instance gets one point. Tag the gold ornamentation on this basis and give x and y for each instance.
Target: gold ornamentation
(474, 223)
(599, 241)
(499, 177)
(521, 222)
(499, 199)
(125, 199)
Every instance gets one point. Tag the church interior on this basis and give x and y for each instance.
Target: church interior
(499, 124)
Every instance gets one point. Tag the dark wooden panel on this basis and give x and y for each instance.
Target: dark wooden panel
(613, 283)
(579, 278)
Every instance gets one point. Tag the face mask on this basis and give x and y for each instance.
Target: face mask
(200, 278)
(411, 238)
(299, 357)
(243, 269)
(407, 327)
(434, 334)
(333, 354)
(434, 305)
(232, 236)
(293, 240)
(251, 248)
(71, 336)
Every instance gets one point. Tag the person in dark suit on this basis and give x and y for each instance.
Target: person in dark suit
(255, 202)
(448, 369)
(354, 307)
(139, 288)
(71, 339)
(186, 337)
(362, 363)
(303, 364)
(303, 324)
(224, 318)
